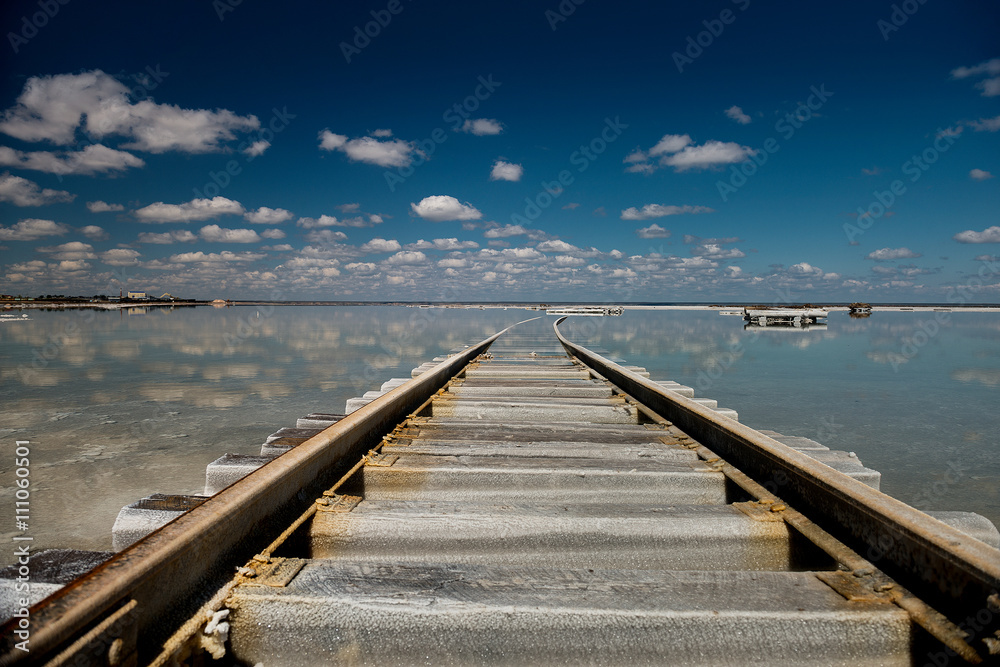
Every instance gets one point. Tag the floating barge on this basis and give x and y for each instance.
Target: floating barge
(792, 317)
(587, 311)
(526, 500)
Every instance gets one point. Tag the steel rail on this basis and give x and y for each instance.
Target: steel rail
(954, 573)
(177, 642)
(877, 583)
(173, 571)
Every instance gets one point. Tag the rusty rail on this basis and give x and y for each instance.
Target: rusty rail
(148, 590)
(954, 573)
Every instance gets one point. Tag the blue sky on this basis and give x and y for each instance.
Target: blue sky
(542, 151)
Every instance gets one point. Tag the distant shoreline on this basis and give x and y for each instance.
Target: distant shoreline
(833, 307)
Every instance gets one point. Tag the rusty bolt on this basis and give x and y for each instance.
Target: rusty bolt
(261, 558)
(766, 501)
(322, 501)
(777, 508)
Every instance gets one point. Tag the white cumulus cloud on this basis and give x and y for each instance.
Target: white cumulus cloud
(166, 238)
(73, 250)
(194, 210)
(103, 207)
(987, 67)
(326, 237)
(716, 251)
(986, 124)
(737, 114)
(708, 155)
(381, 245)
(94, 159)
(120, 257)
(505, 231)
(990, 68)
(329, 141)
(257, 148)
(678, 151)
(454, 244)
(362, 268)
(370, 150)
(506, 171)
(407, 258)
(654, 231)
(267, 216)
(650, 211)
(482, 126)
(94, 232)
(53, 108)
(440, 208)
(510, 255)
(670, 143)
(556, 245)
(887, 254)
(31, 229)
(988, 235)
(216, 234)
(215, 258)
(321, 221)
(980, 175)
(22, 192)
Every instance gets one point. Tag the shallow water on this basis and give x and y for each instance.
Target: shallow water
(118, 406)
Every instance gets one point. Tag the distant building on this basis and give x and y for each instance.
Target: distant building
(137, 295)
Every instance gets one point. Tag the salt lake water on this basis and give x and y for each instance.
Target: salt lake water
(118, 405)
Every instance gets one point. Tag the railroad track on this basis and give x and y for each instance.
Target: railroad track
(529, 501)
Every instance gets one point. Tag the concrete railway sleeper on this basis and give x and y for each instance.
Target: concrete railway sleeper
(527, 500)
